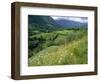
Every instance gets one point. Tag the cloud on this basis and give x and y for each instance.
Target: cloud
(77, 19)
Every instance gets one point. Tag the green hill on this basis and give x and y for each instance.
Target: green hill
(69, 47)
(51, 44)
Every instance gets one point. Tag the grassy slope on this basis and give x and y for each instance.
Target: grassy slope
(72, 49)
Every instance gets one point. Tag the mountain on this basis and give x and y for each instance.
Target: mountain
(47, 23)
(42, 20)
(69, 23)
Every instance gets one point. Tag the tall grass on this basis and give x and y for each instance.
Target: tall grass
(69, 47)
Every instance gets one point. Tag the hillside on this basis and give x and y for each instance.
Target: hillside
(56, 43)
(70, 24)
(69, 47)
(47, 23)
(42, 20)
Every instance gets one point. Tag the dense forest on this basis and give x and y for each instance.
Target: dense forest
(51, 42)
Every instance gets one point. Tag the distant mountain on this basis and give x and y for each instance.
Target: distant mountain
(47, 23)
(69, 23)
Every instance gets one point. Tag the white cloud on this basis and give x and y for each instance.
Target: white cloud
(77, 19)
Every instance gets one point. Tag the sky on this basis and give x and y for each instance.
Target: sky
(77, 19)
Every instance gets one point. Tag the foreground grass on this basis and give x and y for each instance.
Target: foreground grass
(74, 52)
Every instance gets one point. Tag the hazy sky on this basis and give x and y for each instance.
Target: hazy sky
(77, 19)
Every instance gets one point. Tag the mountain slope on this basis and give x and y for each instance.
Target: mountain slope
(47, 23)
(69, 23)
(42, 20)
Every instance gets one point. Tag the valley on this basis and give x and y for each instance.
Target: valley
(51, 44)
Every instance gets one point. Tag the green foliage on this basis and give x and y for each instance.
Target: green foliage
(58, 48)
(62, 55)
(50, 46)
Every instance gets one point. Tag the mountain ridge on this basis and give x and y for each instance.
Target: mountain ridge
(49, 23)
(69, 23)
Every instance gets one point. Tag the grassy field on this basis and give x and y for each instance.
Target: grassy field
(58, 47)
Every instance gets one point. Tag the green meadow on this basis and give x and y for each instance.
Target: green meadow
(57, 47)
